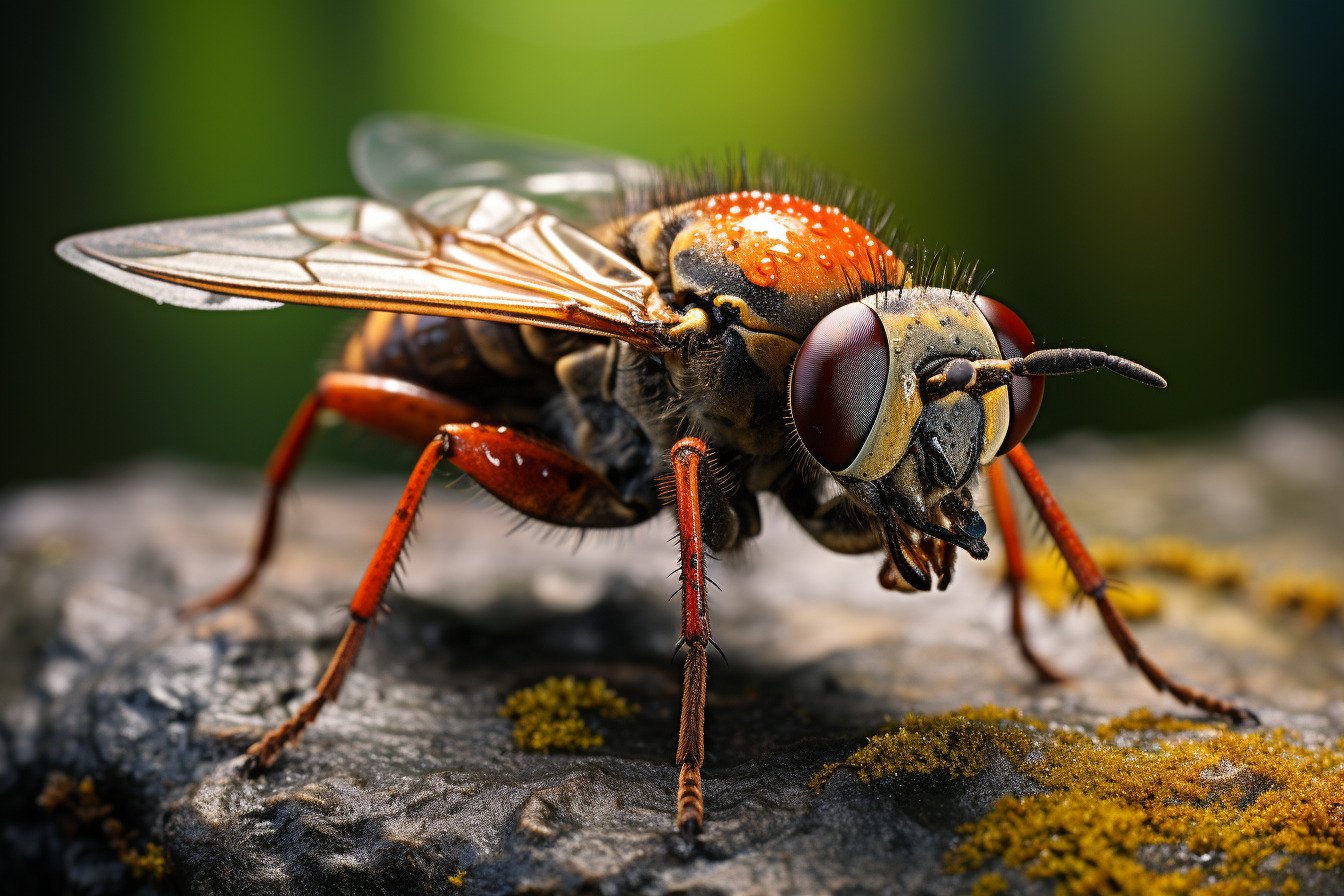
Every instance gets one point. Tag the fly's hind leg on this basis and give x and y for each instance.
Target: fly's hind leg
(1015, 571)
(532, 476)
(1089, 576)
(391, 406)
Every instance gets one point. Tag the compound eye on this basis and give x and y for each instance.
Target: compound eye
(1024, 392)
(838, 382)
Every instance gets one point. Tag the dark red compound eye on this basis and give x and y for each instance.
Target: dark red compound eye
(838, 383)
(1024, 392)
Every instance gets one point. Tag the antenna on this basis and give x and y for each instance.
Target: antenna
(1052, 361)
(979, 377)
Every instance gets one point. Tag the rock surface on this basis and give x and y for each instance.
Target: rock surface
(412, 777)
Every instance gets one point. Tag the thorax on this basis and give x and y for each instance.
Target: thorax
(762, 268)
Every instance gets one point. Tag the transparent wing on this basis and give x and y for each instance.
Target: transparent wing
(470, 252)
(399, 158)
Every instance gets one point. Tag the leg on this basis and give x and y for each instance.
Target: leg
(1085, 570)
(838, 524)
(538, 479)
(1016, 572)
(704, 517)
(392, 406)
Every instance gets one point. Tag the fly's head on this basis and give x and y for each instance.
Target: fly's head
(893, 396)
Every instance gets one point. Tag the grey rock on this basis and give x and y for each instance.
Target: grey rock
(412, 775)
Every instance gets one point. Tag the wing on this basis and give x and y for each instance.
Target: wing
(469, 252)
(400, 158)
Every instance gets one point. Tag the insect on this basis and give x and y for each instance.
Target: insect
(592, 341)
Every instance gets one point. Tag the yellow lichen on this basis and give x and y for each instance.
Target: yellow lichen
(152, 862)
(959, 744)
(1213, 568)
(458, 878)
(1050, 580)
(1220, 570)
(1315, 598)
(1054, 585)
(79, 806)
(989, 885)
(1178, 556)
(547, 715)
(1236, 799)
(1136, 600)
(1114, 557)
(1181, 557)
(1229, 809)
(1143, 721)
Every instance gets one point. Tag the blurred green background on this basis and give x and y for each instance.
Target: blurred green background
(1158, 179)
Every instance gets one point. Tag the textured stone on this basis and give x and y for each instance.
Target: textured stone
(412, 776)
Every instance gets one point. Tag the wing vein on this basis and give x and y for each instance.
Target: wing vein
(449, 261)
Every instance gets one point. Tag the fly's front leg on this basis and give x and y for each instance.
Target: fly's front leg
(534, 477)
(704, 517)
(1089, 576)
(836, 524)
(389, 405)
(1015, 571)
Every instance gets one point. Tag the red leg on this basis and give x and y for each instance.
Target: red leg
(1016, 572)
(1085, 570)
(687, 455)
(392, 406)
(705, 517)
(531, 476)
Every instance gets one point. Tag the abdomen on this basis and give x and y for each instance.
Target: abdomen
(479, 361)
